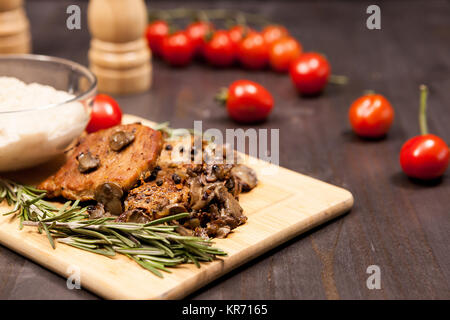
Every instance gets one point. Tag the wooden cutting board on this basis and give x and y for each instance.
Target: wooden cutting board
(282, 206)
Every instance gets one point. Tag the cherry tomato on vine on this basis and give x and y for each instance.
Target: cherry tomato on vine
(237, 33)
(272, 33)
(105, 113)
(283, 52)
(155, 33)
(425, 156)
(197, 31)
(253, 51)
(178, 49)
(310, 73)
(371, 116)
(219, 51)
(247, 101)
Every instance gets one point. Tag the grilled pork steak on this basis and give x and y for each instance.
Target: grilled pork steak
(96, 159)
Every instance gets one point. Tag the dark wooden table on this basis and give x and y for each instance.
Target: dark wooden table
(401, 226)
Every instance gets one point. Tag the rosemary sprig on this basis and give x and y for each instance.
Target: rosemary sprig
(155, 245)
(29, 204)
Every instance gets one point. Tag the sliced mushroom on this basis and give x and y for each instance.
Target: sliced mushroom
(171, 209)
(136, 216)
(120, 139)
(97, 211)
(196, 192)
(110, 195)
(230, 207)
(184, 231)
(193, 223)
(87, 162)
(211, 173)
(223, 232)
(246, 176)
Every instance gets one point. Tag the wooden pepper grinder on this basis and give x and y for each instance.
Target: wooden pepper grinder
(14, 28)
(119, 55)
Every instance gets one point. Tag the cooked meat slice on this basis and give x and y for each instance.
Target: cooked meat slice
(164, 195)
(123, 167)
(246, 176)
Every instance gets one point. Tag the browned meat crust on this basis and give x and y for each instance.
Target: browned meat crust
(158, 198)
(123, 167)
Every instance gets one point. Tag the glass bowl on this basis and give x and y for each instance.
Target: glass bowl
(32, 133)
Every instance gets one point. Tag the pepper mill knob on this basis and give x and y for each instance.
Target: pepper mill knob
(14, 28)
(119, 55)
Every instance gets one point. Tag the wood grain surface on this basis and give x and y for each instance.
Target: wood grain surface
(397, 224)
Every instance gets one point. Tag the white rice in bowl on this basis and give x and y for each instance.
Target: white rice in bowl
(29, 138)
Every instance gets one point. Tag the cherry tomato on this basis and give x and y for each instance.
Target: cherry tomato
(105, 113)
(253, 51)
(283, 52)
(219, 50)
(236, 34)
(155, 33)
(272, 33)
(371, 116)
(197, 31)
(248, 101)
(178, 49)
(310, 73)
(425, 156)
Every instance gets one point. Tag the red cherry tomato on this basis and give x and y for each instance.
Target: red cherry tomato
(155, 33)
(248, 101)
(371, 116)
(178, 49)
(105, 113)
(424, 157)
(283, 52)
(310, 73)
(197, 31)
(253, 51)
(219, 50)
(236, 34)
(272, 33)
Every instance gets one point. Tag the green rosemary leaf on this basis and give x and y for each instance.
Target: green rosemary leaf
(162, 247)
(167, 219)
(91, 233)
(49, 236)
(146, 266)
(125, 240)
(194, 260)
(166, 261)
(34, 200)
(144, 250)
(106, 251)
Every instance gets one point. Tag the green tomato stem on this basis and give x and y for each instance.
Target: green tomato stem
(338, 79)
(423, 109)
(222, 96)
